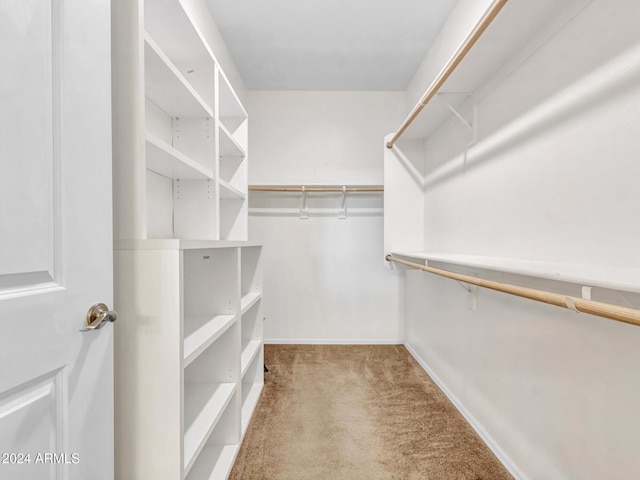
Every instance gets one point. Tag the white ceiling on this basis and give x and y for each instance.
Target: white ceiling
(328, 44)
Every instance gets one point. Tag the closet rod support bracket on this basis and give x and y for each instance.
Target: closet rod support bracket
(342, 209)
(304, 207)
(472, 125)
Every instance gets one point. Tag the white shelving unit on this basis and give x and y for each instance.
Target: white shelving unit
(185, 127)
(190, 355)
(188, 289)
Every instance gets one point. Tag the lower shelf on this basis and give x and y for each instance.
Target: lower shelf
(249, 300)
(249, 350)
(249, 402)
(214, 462)
(204, 403)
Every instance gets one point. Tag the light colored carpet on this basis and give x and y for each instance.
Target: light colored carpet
(332, 412)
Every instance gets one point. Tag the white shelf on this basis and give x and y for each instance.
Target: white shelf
(167, 87)
(249, 300)
(167, 20)
(249, 403)
(214, 462)
(499, 46)
(230, 192)
(178, 244)
(162, 158)
(249, 350)
(204, 403)
(200, 331)
(170, 26)
(233, 171)
(232, 113)
(200, 244)
(229, 147)
(616, 278)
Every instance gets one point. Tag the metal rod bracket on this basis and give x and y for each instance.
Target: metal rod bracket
(472, 125)
(342, 209)
(304, 207)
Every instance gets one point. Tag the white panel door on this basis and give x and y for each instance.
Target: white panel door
(56, 383)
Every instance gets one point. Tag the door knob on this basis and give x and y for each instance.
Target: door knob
(98, 316)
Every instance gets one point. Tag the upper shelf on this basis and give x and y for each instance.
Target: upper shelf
(167, 87)
(497, 49)
(229, 147)
(616, 278)
(231, 112)
(162, 158)
(167, 20)
(170, 26)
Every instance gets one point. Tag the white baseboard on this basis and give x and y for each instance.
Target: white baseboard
(477, 426)
(326, 341)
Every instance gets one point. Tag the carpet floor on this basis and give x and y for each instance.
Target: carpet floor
(332, 412)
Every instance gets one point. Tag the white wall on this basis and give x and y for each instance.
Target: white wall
(324, 277)
(553, 178)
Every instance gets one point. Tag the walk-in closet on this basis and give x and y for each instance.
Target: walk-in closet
(249, 240)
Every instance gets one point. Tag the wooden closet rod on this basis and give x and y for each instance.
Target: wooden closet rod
(257, 188)
(606, 310)
(451, 65)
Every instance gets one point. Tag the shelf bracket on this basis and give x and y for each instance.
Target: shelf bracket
(342, 210)
(304, 207)
(472, 297)
(472, 125)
